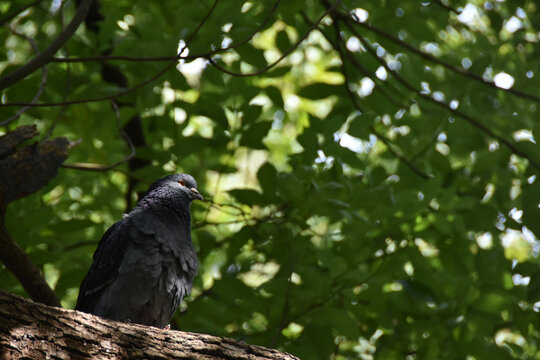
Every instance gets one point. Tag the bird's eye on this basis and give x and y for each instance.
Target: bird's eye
(182, 182)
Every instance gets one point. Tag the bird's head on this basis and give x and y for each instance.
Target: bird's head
(176, 184)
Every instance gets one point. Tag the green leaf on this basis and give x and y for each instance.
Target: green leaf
(531, 209)
(282, 41)
(267, 176)
(254, 133)
(359, 127)
(247, 196)
(275, 95)
(321, 91)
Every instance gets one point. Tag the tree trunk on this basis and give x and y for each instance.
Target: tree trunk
(29, 330)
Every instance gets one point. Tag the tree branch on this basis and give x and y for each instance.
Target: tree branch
(97, 99)
(12, 139)
(16, 12)
(483, 128)
(33, 331)
(29, 169)
(283, 56)
(98, 167)
(19, 264)
(41, 84)
(337, 46)
(444, 6)
(172, 59)
(401, 158)
(44, 57)
(433, 59)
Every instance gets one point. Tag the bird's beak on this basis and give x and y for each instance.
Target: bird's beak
(197, 195)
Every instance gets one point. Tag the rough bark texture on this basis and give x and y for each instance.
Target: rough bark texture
(30, 330)
(24, 170)
(28, 169)
(11, 140)
(20, 265)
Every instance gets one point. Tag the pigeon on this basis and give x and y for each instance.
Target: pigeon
(145, 263)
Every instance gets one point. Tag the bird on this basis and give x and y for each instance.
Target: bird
(145, 263)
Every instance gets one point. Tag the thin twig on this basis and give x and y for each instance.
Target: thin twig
(97, 99)
(433, 59)
(41, 84)
(283, 56)
(433, 140)
(142, 84)
(44, 57)
(483, 128)
(401, 158)
(104, 58)
(346, 82)
(286, 303)
(98, 167)
(363, 70)
(16, 12)
(447, 7)
(324, 301)
(199, 27)
(81, 244)
(67, 88)
(356, 104)
(171, 58)
(337, 291)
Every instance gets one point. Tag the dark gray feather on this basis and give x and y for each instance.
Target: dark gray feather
(145, 263)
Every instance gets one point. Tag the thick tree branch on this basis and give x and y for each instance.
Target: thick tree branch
(29, 169)
(172, 59)
(12, 139)
(31, 330)
(44, 57)
(19, 264)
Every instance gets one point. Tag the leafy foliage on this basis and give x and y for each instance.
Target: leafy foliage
(371, 174)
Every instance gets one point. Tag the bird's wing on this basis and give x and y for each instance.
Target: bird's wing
(142, 269)
(107, 260)
(166, 255)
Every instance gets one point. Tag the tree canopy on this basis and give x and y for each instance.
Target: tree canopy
(369, 168)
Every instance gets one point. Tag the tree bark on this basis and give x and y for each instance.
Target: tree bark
(17, 261)
(24, 170)
(27, 169)
(29, 330)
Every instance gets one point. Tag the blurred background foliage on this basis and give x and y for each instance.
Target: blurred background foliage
(369, 168)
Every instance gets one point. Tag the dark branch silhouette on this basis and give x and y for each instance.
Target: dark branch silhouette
(44, 57)
(41, 84)
(338, 47)
(348, 19)
(17, 11)
(513, 148)
(283, 56)
(173, 60)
